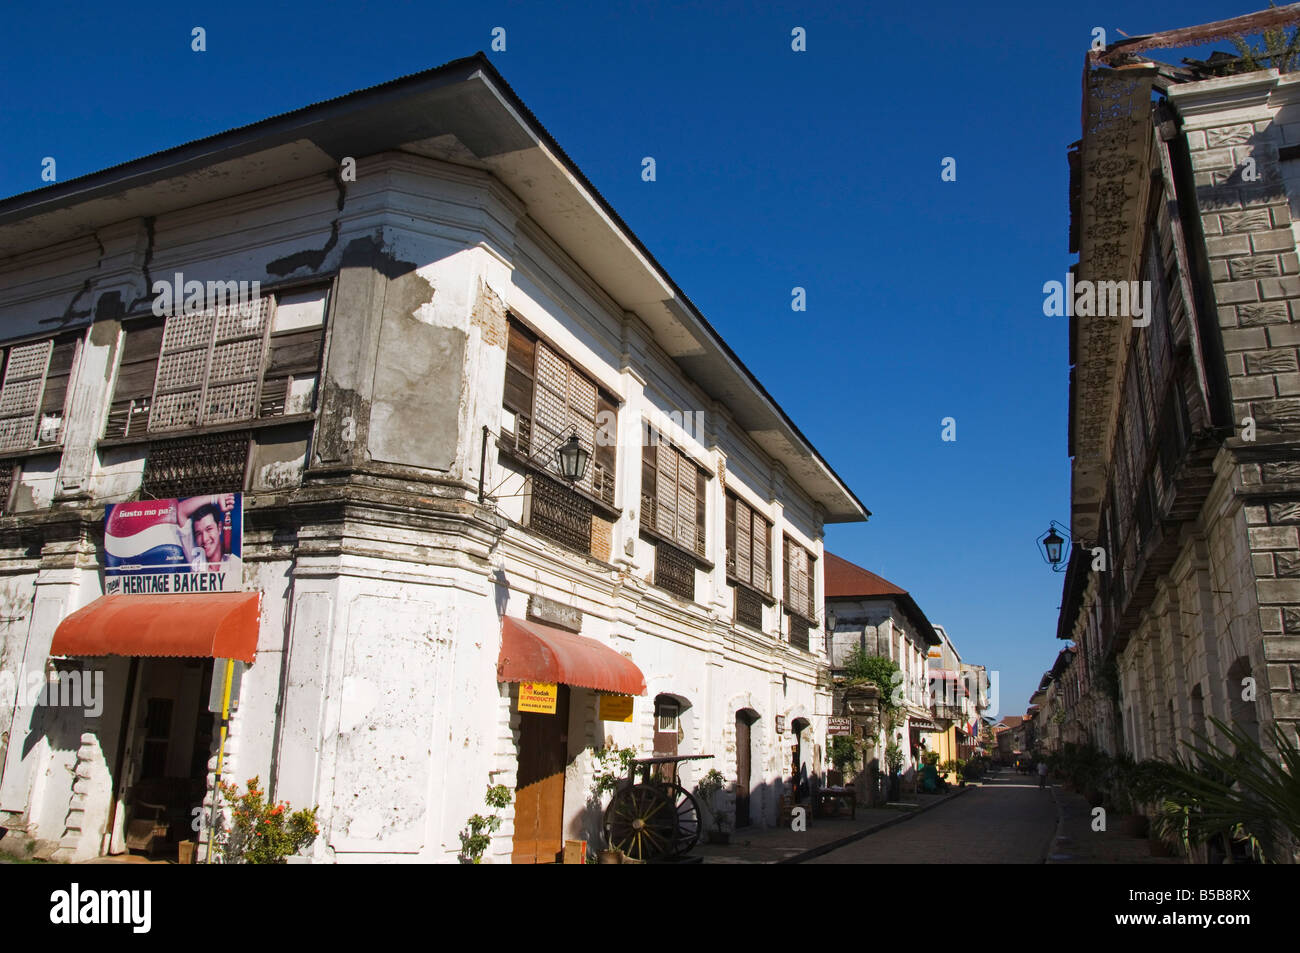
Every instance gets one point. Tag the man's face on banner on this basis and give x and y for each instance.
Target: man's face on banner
(207, 536)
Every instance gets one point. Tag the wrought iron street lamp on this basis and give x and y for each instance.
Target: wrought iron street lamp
(1052, 545)
(573, 457)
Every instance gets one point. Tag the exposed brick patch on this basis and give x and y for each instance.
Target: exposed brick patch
(489, 314)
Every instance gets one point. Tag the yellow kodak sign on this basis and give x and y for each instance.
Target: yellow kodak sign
(616, 708)
(537, 697)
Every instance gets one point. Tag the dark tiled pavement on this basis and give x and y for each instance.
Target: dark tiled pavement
(783, 845)
(1004, 820)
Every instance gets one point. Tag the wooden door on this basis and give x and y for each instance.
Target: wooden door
(539, 791)
(743, 721)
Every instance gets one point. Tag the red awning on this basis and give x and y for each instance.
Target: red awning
(202, 625)
(532, 652)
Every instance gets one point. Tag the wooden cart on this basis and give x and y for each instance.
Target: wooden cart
(654, 819)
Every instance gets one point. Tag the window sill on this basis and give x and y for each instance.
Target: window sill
(257, 423)
(653, 537)
(768, 600)
(33, 451)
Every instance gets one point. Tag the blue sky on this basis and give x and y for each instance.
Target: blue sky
(775, 169)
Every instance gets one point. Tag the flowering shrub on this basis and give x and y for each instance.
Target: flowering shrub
(263, 833)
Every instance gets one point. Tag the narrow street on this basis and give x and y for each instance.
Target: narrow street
(1008, 820)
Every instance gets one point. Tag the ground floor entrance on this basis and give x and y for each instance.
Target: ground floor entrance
(162, 759)
(539, 792)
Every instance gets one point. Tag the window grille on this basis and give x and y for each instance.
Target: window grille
(190, 466)
(557, 513)
(675, 571)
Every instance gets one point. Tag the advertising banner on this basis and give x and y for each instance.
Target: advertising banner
(616, 708)
(538, 697)
(194, 544)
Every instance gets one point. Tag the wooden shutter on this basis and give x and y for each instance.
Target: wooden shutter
(744, 549)
(49, 428)
(666, 515)
(550, 399)
(582, 417)
(701, 511)
(810, 578)
(20, 395)
(732, 561)
(605, 455)
(649, 483)
(686, 503)
(128, 414)
(761, 573)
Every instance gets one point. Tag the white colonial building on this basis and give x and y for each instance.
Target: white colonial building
(445, 300)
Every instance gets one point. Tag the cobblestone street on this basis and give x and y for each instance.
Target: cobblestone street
(1007, 820)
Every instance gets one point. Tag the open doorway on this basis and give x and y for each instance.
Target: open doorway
(169, 733)
(745, 719)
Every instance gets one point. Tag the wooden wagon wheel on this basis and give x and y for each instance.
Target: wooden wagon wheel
(687, 809)
(642, 822)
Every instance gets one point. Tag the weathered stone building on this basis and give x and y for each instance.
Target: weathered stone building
(445, 300)
(871, 614)
(1184, 595)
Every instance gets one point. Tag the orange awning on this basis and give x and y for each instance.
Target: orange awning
(202, 625)
(532, 652)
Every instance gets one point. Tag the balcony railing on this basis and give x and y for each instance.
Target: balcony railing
(948, 712)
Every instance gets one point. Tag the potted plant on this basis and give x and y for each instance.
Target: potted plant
(610, 765)
(707, 790)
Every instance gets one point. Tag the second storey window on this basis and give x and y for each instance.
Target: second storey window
(747, 545)
(748, 568)
(673, 495)
(800, 598)
(219, 366)
(33, 392)
(674, 492)
(546, 397)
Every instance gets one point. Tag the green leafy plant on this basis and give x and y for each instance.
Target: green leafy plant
(477, 836)
(930, 757)
(878, 670)
(1277, 51)
(1232, 789)
(894, 757)
(844, 752)
(707, 790)
(610, 766)
(262, 832)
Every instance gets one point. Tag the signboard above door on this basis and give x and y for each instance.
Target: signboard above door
(191, 544)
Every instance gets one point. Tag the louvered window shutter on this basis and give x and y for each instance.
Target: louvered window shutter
(759, 556)
(582, 416)
(744, 548)
(685, 504)
(550, 400)
(20, 395)
(667, 487)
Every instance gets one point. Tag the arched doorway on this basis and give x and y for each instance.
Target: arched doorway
(745, 719)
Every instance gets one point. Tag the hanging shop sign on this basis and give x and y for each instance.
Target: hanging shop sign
(838, 725)
(537, 697)
(191, 544)
(616, 708)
